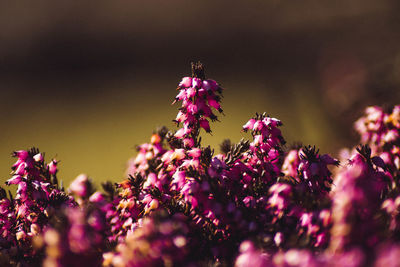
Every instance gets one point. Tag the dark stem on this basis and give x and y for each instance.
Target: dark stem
(198, 70)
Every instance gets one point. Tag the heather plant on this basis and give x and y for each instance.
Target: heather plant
(254, 203)
(29, 212)
(361, 188)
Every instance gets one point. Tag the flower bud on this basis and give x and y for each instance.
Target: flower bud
(38, 157)
(186, 82)
(52, 167)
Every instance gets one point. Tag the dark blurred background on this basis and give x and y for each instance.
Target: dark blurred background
(86, 81)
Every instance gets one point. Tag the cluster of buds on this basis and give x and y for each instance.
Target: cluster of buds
(313, 171)
(148, 154)
(78, 240)
(380, 131)
(360, 190)
(30, 211)
(392, 208)
(309, 170)
(265, 151)
(265, 132)
(198, 96)
(300, 200)
(316, 226)
(158, 240)
(280, 199)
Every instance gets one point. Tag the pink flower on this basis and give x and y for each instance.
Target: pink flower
(53, 167)
(213, 103)
(205, 125)
(249, 125)
(179, 178)
(197, 82)
(190, 92)
(38, 157)
(21, 169)
(186, 82)
(194, 152)
(79, 186)
(16, 179)
(96, 197)
(249, 201)
(210, 85)
(21, 154)
(188, 142)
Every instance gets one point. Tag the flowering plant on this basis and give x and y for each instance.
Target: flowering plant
(256, 203)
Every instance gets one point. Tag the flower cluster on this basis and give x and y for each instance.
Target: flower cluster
(30, 211)
(158, 240)
(310, 170)
(78, 240)
(198, 96)
(254, 203)
(360, 189)
(381, 132)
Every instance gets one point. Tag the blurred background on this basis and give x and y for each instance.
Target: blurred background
(87, 81)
